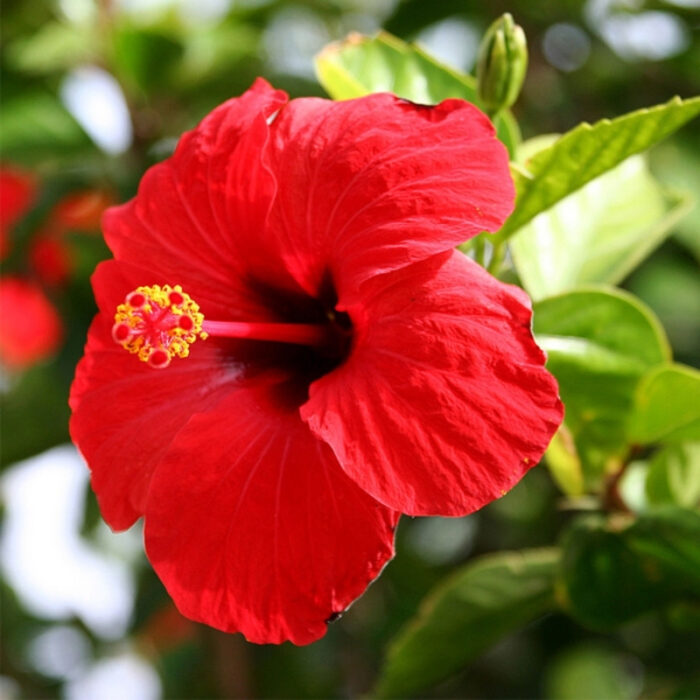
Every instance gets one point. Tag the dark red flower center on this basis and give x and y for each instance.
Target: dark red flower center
(159, 323)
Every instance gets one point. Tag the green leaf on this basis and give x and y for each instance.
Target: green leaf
(463, 617)
(589, 671)
(145, 58)
(588, 151)
(36, 127)
(613, 571)
(669, 539)
(38, 398)
(55, 47)
(667, 406)
(564, 463)
(361, 65)
(674, 475)
(599, 233)
(602, 581)
(599, 343)
(677, 165)
(684, 616)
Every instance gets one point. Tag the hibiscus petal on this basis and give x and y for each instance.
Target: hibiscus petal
(374, 184)
(126, 414)
(262, 532)
(444, 403)
(197, 215)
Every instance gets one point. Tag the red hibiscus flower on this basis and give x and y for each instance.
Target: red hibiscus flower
(356, 366)
(30, 329)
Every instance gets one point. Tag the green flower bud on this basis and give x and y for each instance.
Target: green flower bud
(501, 64)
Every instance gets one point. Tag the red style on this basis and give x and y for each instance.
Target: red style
(317, 359)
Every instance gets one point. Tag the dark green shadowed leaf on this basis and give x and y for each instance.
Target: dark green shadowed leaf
(36, 127)
(588, 151)
(473, 609)
(669, 538)
(667, 406)
(602, 581)
(145, 58)
(361, 65)
(612, 572)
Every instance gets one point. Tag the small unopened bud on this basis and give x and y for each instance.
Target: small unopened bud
(501, 64)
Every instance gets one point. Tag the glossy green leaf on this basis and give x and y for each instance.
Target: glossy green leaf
(599, 343)
(588, 151)
(667, 406)
(599, 233)
(361, 65)
(36, 127)
(473, 609)
(674, 475)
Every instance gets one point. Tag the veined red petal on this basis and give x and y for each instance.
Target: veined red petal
(373, 184)
(198, 214)
(125, 414)
(253, 527)
(444, 403)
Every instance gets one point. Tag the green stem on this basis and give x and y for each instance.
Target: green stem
(497, 258)
(480, 250)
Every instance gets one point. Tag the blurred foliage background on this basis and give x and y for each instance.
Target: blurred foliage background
(95, 91)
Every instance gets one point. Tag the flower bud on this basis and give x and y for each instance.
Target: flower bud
(501, 64)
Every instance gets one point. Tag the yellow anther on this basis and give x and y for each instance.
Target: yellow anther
(158, 321)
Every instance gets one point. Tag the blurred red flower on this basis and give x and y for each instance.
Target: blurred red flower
(357, 366)
(166, 629)
(82, 211)
(51, 256)
(30, 328)
(51, 259)
(17, 194)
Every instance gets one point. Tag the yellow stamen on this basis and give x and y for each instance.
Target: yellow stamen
(152, 320)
